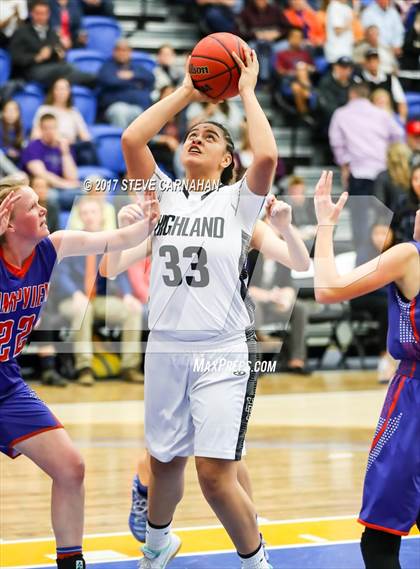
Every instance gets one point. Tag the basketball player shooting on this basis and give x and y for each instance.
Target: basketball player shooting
(391, 497)
(199, 304)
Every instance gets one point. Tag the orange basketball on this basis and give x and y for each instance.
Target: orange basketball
(212, 67)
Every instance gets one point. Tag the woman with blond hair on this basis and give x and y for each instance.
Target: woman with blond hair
(394, 182)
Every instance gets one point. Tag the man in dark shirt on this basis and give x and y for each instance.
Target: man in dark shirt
(126, 86)
(37, 53)
(333, 90)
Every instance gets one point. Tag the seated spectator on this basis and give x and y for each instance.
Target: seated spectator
(375, 79)
(98, 7)
(275, 302)
(227, 113)
(383, 14)
(93, 182)
(86, 296)
(165, 144)
(375, 304)
(11, 132)
(339, 29)
(167, 72)
(262, 24)
(333, 90)
(216, 15)
(13, 13)
(126, 86)
(37, 53)
(382, 99)
(412, 130)
(50, 157)
(387, 60)
(303, 210)
(294, 66)
(300, 15)
(407, 206)
(411, 49)
(394, 182)
(71, 124)
(66, 20)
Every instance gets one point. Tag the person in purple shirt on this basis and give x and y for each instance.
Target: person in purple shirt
(359, 135)
(391, 496)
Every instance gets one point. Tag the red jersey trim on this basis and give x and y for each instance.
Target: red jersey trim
(19, 272)
(11, 451)
(390, 410)
(413, 320)
(381, 528)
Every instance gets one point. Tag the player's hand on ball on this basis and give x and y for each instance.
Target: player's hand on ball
(6, 208)
(249, 70)
(327, 212)
(188, 85)
(279, 213)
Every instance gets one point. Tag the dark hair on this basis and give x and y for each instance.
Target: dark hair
(34, 3)
(294, 29)
(7, 136)
(227, 173)
(49, 99)
(412, 196)
(47, 117)
(360, 89)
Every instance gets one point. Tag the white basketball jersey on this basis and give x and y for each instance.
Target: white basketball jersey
(199, 248)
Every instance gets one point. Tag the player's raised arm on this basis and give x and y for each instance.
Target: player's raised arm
(395, 265)
(289, 251)
(263, 145)
(73, 243)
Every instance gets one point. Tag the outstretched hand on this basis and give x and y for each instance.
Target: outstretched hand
(249, 69)
(279, 213)
(145, 207)
(327, 212)
(6, 208)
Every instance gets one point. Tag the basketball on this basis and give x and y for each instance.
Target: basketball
(213, 69)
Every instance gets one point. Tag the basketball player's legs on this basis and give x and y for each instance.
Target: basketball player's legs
(166, 488)
(55, 454)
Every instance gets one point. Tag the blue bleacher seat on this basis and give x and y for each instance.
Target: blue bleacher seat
(63, 219)
(108, 146)
(144, 58)
(321, 64)
(413, 102)
(29, 99)
(86, 171)
(102, 33)
(5, 65)
(87, 60)
(85, 101)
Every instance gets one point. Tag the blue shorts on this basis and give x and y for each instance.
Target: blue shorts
(23, 415)
(391, 495)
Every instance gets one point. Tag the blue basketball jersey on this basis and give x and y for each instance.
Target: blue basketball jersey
(23, 291)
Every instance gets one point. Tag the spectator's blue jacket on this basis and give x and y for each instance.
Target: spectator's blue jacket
(134, 91)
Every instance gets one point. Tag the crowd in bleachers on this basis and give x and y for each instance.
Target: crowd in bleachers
(347, 70)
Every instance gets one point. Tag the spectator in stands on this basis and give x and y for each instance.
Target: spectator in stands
(411, 48)
(303, 210)
(71, 124)
(226, 112)
(406, 209)
(166, 71)
(96, 188)
(276, 302)
(50, 157)
(98, 7)
(262, 25)
(333, 89)
(37, 53)
(394, 182)
(294, 66)
(300, 15)
(359, 136)
(387, 60)
(216, 15)
(11, 131)
(375, 304)
(339, 28)
(86, 296)
(12, 14)
(126, 86)
(66, 20)
(413, 140)
(383, 14)
(382, 99)
(376, 79)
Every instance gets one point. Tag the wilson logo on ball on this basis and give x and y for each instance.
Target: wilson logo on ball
(199, 70)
